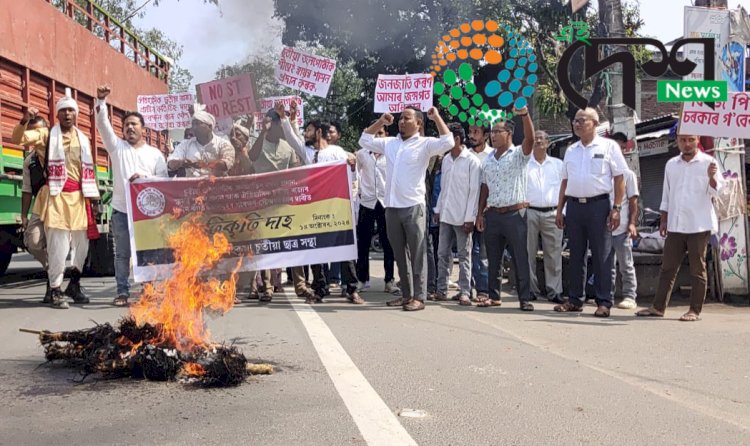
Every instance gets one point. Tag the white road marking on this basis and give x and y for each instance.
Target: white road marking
(375, 420)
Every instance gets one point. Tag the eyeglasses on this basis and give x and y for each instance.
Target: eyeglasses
(580, 120)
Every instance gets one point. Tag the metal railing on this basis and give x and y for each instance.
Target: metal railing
(99, 22)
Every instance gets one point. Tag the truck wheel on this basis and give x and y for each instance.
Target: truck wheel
(101, 259)
(7, 248)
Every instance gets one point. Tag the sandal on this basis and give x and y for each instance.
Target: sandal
(602, 311)
(266, 297)
(464, 300)
(120, 301)
(568, 307)
(487, 302)
(690, 317)
(649, 312)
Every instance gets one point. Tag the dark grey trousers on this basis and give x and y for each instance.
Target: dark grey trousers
(501, 231)
(586, 225)
(406, 232)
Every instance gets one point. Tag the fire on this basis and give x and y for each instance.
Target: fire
(178, 305)
(193, 369)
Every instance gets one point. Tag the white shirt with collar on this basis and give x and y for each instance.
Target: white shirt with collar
(146, 161)
(407, 162)
(307, 153)
(590, 169)
(483, 154)
(372, 173)
(686, 196)
(543, 183)
(459, 189)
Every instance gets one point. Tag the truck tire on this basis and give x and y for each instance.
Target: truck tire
(7, 249)
(101, 259)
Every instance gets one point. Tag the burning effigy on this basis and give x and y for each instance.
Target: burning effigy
(165, 336)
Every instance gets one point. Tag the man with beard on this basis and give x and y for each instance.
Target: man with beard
(688, 218)
(131, 158)
(408, 156)
(204, 154)
(67, 213)
(476, 141)
(316, 149)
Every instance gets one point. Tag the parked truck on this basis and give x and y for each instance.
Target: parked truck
(48, 46)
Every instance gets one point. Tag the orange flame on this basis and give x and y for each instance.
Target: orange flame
(193, 369)
(178, 304)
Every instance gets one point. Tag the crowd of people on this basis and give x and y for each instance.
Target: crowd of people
(468, 188)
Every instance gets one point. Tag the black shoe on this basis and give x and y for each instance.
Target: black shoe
(74, 288)
(47, 294)
(57, 299)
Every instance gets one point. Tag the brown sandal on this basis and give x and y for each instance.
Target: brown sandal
(690, 317)
(487, 302)
(568, 307)
(649, 312)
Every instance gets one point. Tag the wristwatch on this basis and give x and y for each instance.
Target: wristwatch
(617, 207)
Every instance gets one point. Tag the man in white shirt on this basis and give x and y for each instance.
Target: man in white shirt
(372, 174)
(407, 157)
(477, 141)
(132, 158)
(623, 236)
(502, 208)
(589, 169)
(204, 154)
(316, 138)
(456, 211)
(542, 192)
(688, 219)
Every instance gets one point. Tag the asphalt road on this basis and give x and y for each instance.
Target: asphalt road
(345, 373)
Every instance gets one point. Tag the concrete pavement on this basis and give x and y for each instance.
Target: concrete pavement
(481, 376)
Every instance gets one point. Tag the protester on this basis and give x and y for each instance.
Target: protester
(204, 154)
(590, 167)
(333, 271)
(688, 219)
(432, 226)
(456, 211)
(407, 158)
(372, 173)
(239, 137)
(543, 191)
(316, 138)
(67, 214)
(502, 208)
(132, 158)
(33, 186)
(623, 236)
(477, 142)
(271, 153)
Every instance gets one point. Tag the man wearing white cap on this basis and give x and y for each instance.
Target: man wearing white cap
(204, 154)
(71, 181)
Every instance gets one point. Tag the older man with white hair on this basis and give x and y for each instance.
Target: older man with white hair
(205, 153)
(66, 211)
(589, 169)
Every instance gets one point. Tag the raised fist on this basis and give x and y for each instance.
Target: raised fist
(386, 118)
(103, 91)
(432, 114)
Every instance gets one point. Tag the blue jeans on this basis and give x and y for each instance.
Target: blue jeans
(479, 264)
(122, 251)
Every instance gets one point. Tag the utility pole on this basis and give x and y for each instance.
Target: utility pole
(620, 116)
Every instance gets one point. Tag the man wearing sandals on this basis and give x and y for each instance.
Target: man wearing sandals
(456, 211)
(590, 167)
(502, 208)
(408, 156)
(688, 219)
(131, 158)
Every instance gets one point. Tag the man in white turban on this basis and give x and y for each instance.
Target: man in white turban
(204, 154)
(64, 205)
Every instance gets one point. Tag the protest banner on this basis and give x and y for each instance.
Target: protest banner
(305, 72)
(268, 103)
(232, 96)
(730, 119)
(166, 111)
(705, 22)
(394, 92)
(275, 220)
